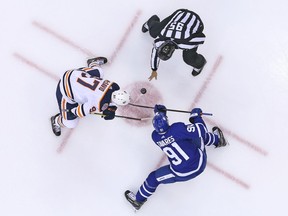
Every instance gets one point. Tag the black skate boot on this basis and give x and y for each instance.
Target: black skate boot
(222, 141)
(96, 61)
(130, 196)
(197, 71)
(145, 27)
(55, 128)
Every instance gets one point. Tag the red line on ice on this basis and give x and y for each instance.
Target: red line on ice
(196, 100)
(64, 141)
(84, 50)
(219, 171)
(207, 81)
(61, 38)
(228, 176)
(200, 93)
(34, 65)
(245, 142)
(124, 38)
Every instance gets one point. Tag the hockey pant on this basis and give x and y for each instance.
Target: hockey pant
(67, 118)
(192, 58)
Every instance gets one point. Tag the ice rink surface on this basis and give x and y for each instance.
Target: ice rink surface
(86, 170)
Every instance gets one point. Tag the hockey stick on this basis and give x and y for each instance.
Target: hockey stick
(118, 116)
(172, 110)
(126, 117)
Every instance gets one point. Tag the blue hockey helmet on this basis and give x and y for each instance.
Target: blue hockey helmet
(160, 122)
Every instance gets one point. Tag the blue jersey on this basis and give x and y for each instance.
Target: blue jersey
(184, 147)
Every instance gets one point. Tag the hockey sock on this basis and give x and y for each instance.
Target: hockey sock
(147, 188)
(58, 121)
(211, 139)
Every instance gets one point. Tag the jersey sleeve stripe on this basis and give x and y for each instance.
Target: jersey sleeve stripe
(67, 85)
(86, 69)
(79, 111)
(63, 108)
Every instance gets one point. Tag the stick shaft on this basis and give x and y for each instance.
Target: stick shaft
(172, 110)
(118, 116)
(126, 117)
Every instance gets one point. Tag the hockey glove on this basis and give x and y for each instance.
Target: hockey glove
(109, 113)
(160, 108)
(195, 113)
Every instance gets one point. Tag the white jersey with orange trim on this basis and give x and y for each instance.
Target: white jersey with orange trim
(78, 86)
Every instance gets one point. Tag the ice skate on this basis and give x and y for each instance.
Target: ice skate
(219, 133)
(130, 196)
(145, 27)
(196, 72)
(96, 61)
(55, 128)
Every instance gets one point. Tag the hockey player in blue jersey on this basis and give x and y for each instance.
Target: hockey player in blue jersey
(184, 145)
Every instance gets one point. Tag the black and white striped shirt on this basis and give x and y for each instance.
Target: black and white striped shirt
(184, 28)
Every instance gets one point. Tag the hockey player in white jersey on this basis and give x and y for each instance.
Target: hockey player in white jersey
(181, 30)
(184, 146)
(83, 91)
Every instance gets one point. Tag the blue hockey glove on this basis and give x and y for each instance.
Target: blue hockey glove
(195, 113)
(109, 113)
(160, 108)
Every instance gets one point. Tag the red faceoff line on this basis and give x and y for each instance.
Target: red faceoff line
(61, 38)
(84, 50)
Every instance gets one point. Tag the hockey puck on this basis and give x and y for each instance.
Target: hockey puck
(143, 90)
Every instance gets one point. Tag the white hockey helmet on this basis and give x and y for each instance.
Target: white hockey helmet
(120, 98)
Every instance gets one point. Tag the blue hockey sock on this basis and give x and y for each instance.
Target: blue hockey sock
(147, 188)
(211, 139)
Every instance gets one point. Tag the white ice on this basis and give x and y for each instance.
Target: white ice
(99, 160)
